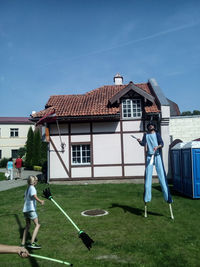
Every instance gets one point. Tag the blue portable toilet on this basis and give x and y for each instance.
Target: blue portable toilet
(190, 161)
(176, 167)
(186, 168)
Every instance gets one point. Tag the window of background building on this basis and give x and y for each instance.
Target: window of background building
(14, 132)
(14, 153)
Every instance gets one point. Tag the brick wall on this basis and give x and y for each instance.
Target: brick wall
(186, 128)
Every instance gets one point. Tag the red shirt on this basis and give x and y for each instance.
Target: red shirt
(18, 163)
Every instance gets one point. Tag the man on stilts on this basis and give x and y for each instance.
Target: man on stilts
(154, 143)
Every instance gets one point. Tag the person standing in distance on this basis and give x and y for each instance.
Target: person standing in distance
(30, 213)
(18, 165)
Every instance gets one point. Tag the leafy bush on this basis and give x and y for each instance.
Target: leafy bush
(3, 162)
(36, 150)
(37, 168)
(2, 176)
(21, 152)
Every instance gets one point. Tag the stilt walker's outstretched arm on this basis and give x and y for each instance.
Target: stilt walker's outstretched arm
(171, 212)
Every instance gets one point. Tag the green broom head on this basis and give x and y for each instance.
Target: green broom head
(47, 193)
(87, 241)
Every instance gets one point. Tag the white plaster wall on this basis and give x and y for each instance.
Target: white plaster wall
(165, 111)
(132, 126)
(80, 138)
(106, 127)
(186, 128)
(114, 171)
(81, 172)
(107, 149)
(133, 152)
(64, 129)
(80, 128)
(56, 167)
(134, 170)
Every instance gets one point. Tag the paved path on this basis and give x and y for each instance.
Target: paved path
(8, 184)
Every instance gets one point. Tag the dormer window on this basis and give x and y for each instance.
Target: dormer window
(131, 108)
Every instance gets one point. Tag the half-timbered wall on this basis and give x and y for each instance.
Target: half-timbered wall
(114, 153)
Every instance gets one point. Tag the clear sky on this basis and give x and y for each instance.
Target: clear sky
(50, 47)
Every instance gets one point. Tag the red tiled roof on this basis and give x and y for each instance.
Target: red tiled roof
(93, 103)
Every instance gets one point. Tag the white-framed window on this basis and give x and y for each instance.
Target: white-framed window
(80, 154)
(131, 108)
(14, 132)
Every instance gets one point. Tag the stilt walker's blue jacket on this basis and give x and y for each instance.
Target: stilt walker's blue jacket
(159, 139)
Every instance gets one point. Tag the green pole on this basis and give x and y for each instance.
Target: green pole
(50, 259)
(65, 214)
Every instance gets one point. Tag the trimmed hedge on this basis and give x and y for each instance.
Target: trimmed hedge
(37, 168)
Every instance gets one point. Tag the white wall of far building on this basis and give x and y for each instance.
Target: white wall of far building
(8, 143)
(186, 128)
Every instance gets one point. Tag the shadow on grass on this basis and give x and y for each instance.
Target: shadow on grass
(33, 262)
(136, 211)
(172, 191)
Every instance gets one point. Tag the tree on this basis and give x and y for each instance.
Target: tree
(44, 149)
(37, 148)
(21, 152)
(189, 113)
(186, 113)
(29, 149)
(196, 112)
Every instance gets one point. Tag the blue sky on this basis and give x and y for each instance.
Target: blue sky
(50, 47)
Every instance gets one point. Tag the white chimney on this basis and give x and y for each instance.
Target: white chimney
(118, 79)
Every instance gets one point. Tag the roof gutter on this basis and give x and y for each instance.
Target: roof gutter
(110, 117)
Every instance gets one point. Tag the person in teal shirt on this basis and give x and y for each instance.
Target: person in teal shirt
(10, 168)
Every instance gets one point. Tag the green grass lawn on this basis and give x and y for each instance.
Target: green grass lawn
(122, 238)
(2, 176)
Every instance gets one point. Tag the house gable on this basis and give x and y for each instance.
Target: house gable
(131, 91)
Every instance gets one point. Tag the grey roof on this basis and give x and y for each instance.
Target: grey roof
(158, 92)
(16, 120)
(174, 109)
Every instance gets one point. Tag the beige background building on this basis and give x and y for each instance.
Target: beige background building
(13, 135)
